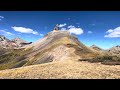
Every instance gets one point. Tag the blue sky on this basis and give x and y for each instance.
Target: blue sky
(101, 28)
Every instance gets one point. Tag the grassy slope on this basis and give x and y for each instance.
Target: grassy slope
(18, 58)
(15, 58)
(51, 46)
(69, 69)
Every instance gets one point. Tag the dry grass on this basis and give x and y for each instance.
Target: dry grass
(66, 69)
(13, 58)
(36, 56)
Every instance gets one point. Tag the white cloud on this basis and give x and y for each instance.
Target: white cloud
(113, 33)
(41, 35)
(25, 30)
(1, 17)
(92, 24)
(90, 32)
(63, 28)
(71, 26)
(74, 30)
(109, 31)
(62, 25)
(77, 31)
(5, 32)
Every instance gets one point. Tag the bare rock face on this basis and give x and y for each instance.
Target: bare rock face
(3, 38)
(6, 43)
(115, 50)
(56, 28)
(11, 44)
(20, 42)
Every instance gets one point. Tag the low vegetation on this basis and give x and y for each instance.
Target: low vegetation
(69, 69)
(15, 58)
(106, 59)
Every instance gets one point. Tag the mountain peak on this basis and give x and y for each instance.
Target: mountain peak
(17, 39)
(14, 43)
(3, 38)
(93, 45)
(96, 47)
(56, 28)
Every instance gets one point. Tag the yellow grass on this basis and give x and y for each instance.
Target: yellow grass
(67, 69)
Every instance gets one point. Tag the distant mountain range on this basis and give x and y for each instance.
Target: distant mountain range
(115, 50)
(15, 43)
(96, 47)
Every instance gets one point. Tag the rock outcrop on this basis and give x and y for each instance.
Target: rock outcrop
(6, 43)
(56, 28)
(115, 51)
(20, 42)
(12, 44)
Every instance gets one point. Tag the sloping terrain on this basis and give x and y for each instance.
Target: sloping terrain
(55, 46)
(12, 44)
(108, 57)
(69, 69)
(20, 42)
(96, 48)
(115, 51)
(6, 43)
(58, 55)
